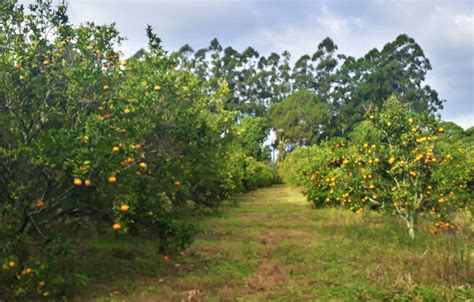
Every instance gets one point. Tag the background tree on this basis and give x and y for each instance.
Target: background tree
(351, 86)
(300, 119)
(398, 69)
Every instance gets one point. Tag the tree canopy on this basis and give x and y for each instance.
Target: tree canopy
(300, 119)
(349, 86)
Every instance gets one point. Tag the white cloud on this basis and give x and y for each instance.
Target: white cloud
(464, 120)
(302, 37)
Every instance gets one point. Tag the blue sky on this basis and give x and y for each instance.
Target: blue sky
(444, 29)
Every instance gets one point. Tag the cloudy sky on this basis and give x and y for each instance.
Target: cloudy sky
(444, 29)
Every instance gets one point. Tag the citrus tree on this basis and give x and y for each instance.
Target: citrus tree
(54, 78)
(399, 162)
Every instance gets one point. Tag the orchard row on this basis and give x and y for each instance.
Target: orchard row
(91, 141)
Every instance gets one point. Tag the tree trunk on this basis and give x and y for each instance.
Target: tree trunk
(411, 226)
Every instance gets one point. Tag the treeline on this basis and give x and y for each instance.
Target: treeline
(343, 87)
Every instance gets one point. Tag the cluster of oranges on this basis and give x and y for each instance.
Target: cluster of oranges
(441, 226)
(27, 271)
(79, 182)
(123, 208)
(426, 138)
(8, 264)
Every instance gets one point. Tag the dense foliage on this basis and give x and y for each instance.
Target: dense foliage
(93, 142)
(398, 161)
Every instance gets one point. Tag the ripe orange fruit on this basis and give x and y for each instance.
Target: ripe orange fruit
(124, 208)
(138, 147)
(77, 182)
(116, 226)
(410, 121)
(112, 179)
(87, 182)
(413, 173)
(130, 160)
(157, 88)
(39, 204)
(166, 258)
(115, 149)
(143, 165)
(123, 63)
(440, 129)
(45, 62)
(11, 264)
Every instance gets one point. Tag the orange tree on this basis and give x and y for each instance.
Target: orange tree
(185, 138)
(54, 77)
(398, 162)
(91, 141)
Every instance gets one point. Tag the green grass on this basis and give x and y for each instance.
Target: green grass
(273, 246)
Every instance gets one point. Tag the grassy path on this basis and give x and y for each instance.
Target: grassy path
(273, 246)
